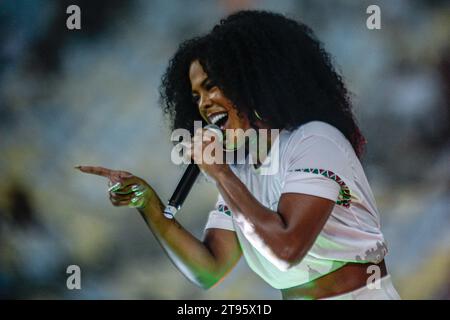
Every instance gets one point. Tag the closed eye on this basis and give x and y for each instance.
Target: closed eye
(209, 85)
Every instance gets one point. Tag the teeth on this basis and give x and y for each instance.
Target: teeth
(216, 118)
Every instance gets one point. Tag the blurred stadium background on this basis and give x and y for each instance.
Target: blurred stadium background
(91, 97)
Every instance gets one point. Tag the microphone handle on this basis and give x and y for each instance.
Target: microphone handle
(182, 190)
(187, 180)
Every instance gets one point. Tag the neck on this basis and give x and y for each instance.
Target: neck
(263, 143)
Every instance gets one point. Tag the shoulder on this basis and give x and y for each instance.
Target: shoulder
(317, 129)
(317, 132)
(318, 143)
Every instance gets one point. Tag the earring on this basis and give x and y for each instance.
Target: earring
(257, 115)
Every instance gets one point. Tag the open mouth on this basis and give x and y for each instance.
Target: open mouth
(219, 119)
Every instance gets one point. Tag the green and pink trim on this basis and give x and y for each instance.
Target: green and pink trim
(224, 209)
(344, 193)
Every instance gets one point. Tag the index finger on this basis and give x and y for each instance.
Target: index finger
(99, 171)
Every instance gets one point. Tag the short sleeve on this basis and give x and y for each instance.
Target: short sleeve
(220, 217)
(316, 166)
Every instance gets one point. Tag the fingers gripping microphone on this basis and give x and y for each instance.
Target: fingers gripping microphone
(185, 184)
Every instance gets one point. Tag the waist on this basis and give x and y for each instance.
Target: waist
(350, 277)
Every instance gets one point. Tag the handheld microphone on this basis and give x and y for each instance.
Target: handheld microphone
(185, 184)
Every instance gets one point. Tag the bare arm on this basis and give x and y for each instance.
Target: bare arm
(283, 236)
(291, 231)
(205, 262)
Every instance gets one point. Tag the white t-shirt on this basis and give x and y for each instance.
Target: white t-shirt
(314, 159)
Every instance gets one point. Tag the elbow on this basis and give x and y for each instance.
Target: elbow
(292, 255)
(204, 286)
(293, 261)
(205, 283)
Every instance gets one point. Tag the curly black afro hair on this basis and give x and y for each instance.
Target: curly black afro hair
(265, 62)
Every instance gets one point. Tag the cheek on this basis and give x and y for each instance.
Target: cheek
(235, 121)
(218, 97)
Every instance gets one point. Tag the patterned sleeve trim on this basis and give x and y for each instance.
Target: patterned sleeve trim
(224, 209)
(344, 192)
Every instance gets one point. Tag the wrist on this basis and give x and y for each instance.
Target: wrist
(152, 206)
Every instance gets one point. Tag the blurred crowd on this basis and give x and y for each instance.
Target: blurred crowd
(90, 96)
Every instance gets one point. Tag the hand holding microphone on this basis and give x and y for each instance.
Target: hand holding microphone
(194, 151)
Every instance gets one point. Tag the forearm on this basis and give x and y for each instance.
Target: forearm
(267, 224)
(191, 256)
(202, 263)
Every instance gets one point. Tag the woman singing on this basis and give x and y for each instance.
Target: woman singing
(311, 227)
